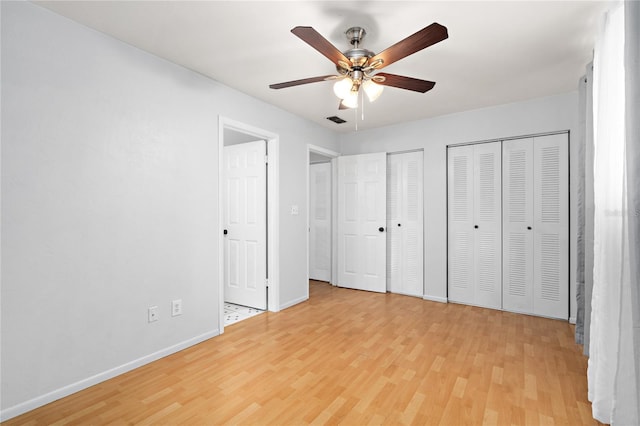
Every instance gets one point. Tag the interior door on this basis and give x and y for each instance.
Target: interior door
(320, 222)
(460, 224)
(405, 223)
(551, 226)
(362, 218)
(488, 224)
(475, 225)
(518, 225)
(245, 224)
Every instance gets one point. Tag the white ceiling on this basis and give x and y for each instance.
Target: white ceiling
(497, 52)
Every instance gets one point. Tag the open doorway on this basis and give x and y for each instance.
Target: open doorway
(237, 134)
(321, 248)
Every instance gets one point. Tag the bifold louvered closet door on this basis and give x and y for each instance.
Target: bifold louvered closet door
(475, 226)
(536, 225)
(526, 257)
(405, 223)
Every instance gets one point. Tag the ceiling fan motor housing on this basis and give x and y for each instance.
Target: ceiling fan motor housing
(355, 35)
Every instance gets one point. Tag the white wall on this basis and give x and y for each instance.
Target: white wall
(110, 204)
(549, 114)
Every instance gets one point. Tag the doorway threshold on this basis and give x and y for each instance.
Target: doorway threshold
(235, 313)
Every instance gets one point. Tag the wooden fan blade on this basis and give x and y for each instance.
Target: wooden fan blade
(321, 44)
(299, 82)
(403, 82)
(424, 38)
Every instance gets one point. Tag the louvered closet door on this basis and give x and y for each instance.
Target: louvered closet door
(550, 226)
(405, 224)
(460, 224)
(487, 225)
(475, 225)
(535, 197)
(518, 225)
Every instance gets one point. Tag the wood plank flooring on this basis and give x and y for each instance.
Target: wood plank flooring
(353, 357)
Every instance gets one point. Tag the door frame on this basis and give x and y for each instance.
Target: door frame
(334, 244)
(273, 198)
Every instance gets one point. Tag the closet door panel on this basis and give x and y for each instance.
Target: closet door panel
(550, 225)
(517, 225)
(411, 225)
(405, 223)
(460, 225)
(394, 236)
(487, 225)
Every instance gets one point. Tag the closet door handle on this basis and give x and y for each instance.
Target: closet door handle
(399, 224)
(529, 228)
(381, 229)
(475, 226)
(225, 232)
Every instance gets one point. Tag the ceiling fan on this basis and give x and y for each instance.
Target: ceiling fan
(356, 66)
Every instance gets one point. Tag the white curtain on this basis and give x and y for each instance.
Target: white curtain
(632, 153)
(584, 194)
(612, 375)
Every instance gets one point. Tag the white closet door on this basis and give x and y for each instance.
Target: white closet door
(475, 225)
(517, 225)
(488, 225)
(460, 225)
(320, 222)
(362, 217)
(405, 224)
(394, 216)
(550, 226)
(245, 219)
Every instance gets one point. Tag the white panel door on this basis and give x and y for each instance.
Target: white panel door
(551, 226)
(488, 224)
(362, 196)
(405, 224)
(245, 248)
(460, 229)
(518, 225)
(320, 221)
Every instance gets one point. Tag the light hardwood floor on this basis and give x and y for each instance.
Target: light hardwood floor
(353, 357)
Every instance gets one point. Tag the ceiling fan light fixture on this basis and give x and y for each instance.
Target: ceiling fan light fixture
(351, 100)
(342, 88)
(372, 90)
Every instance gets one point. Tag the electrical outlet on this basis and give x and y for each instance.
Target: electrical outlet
(176, 307)
(153, 313)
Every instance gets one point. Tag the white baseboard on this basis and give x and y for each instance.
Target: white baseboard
(294, 302)
(39, 401)
(572, 320)
(435, 298)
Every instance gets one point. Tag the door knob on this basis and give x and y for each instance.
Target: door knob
(381, 229)
(225, 232)
(399, 224)
(529, 228)
(475, 226)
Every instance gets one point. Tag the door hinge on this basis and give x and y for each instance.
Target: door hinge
(266, 159)
(266, 282)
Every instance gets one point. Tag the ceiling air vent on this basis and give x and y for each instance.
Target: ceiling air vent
(336, 119)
